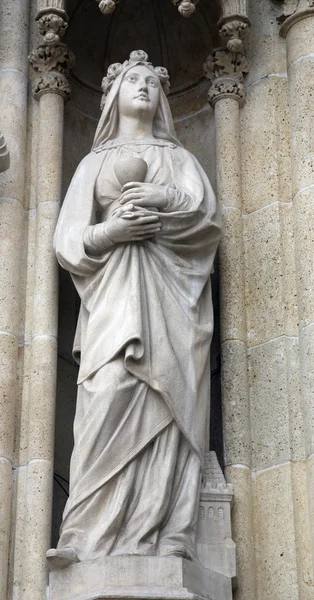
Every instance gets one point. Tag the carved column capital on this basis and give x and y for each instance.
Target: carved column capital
(52, 59)
(226, 72)
(293, 11)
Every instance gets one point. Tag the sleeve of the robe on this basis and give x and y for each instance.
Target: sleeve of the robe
(190, 225)
(76, 214)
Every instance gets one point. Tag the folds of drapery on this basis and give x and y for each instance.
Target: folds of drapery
(150, 301)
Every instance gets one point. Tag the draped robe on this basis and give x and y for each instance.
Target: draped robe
(142, 342)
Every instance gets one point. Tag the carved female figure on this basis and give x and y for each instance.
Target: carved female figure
(138, 232)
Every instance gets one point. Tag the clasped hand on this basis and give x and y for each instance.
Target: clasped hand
(145, 195)
(131, 224)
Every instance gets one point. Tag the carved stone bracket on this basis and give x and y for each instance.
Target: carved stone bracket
(234, 24)
(233, 31)
(226, 72)
(186, 8)
(52, 59)
(226, 67)
(292, 11)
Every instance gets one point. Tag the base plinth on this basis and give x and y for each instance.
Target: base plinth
(137, 578)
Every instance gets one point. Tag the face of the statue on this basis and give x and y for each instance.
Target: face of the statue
(139, 93)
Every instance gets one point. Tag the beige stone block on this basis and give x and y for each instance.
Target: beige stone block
(30, 260)
(289, 278)
(232, 290)
(274, 535)
(302, 115)
(14, 28)
(45, 295)
(11, 223)
(20, 453)
(50, 144)
(227, 120)
(42, 398)
(13, 115)
(296, 421)
(265, 49)
(300, 40)
(235, 401)
(304, 243)
(307, 385)
(263, 274)
(8, 369)
(5, 522)
(19, 543)
(310, 495)
(302, 528)
(242, 531)
(269, 404)
(32, 153)
(265, 144)
(37, 528)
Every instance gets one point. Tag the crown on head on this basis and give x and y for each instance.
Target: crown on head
(116, 68)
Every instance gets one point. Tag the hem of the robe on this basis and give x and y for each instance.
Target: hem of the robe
(130, 455)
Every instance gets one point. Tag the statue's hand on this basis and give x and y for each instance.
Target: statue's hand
(139, 226)
(145, 194)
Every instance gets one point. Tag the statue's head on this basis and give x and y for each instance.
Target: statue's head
(135, 87)
(139, 93)
(118, 71)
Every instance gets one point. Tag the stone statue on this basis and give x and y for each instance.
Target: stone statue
(138, 232)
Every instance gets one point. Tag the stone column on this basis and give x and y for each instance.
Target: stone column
(52, 60)
(226, 69)
(298, 29)
(13, 116)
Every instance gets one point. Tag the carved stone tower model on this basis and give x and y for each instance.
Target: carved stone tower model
(241, 100)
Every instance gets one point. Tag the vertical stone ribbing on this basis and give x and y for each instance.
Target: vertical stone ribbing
(50, 88)
(298, 29)
(14, 19)
(226, 69)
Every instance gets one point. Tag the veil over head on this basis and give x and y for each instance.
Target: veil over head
(163, 127)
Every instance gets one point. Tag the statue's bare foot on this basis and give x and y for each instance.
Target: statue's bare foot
(59, 559)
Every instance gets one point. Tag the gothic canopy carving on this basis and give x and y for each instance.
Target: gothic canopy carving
(181, 45)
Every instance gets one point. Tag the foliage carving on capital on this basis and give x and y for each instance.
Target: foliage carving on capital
(49, 57)
(53, 82)
(52, 59)
(226, 71)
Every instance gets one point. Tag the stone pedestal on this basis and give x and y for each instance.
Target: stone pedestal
(136, 577)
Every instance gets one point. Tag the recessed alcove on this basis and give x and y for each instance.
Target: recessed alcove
(181, 45)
